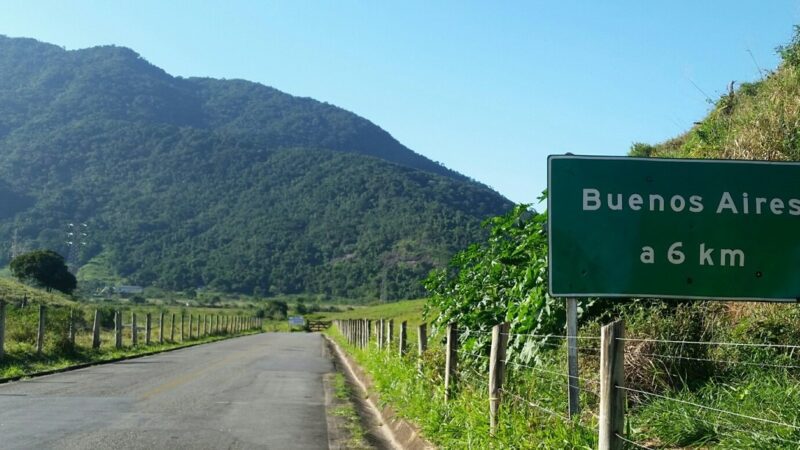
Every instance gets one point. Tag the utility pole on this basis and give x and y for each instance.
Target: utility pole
(15, 251)
(77, 237)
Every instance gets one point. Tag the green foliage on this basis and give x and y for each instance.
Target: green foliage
(462, 422)
(790, 53)
(45, 268)
(277, 310)
(641, 150)
(501, 280)
(226, 185)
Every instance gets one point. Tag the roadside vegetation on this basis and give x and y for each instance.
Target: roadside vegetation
(22, 358)
(344, 409)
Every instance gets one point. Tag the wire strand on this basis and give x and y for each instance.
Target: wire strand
(709, 408)
(535, 405)
(585, 380)
(719, 361)
(553, 336)
(731, 344)
(632, 442)
(730, 426)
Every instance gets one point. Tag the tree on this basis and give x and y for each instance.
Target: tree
(277, 309)
(45, 268)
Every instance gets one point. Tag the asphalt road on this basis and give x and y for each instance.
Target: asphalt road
(260, 391)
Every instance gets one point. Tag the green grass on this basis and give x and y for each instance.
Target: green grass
(98, 269)
(406, 310)
(410, 310)
(12, 290)
(743, 380)
(347, 411)
(463, 421)
(773, 397)
(22, 318)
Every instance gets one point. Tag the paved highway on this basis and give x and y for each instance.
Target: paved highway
(260, 391)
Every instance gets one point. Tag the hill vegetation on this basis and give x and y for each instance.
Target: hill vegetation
(220, 184)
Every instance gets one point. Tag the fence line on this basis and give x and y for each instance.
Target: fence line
(719, 361)
(609, 388)
(536, 405)
(730, 426)
(635, 444)
(709, 408)
(67, 325)
(730, 344)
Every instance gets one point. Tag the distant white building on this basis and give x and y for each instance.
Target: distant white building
(128, 290)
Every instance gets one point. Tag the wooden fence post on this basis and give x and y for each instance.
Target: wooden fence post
(368, 331)
(183, 326)
(574, 408)
(402, 339)
(612, 376)
(40, 334)
(451, 361)
(497, 357)
(389, 333)
(118, 329)
(148, 327)
(379, 333)
(2, 328)
(422, 344)
(134, 330)
(161, 328)
(172, 329)
(96, 330)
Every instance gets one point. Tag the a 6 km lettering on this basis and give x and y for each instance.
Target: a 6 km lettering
(706, 256)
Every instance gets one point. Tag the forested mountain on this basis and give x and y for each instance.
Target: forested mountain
(226, 184)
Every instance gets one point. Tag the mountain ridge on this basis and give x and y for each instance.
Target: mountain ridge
(177, 177)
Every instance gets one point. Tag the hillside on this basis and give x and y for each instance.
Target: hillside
(13, 291)
(225, 184)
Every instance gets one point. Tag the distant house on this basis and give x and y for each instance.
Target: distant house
(128, 290)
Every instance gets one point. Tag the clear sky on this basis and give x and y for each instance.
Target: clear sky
(487, 88)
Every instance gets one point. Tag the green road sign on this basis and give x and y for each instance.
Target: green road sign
(670, 228)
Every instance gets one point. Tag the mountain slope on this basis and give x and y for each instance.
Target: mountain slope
(188, 183)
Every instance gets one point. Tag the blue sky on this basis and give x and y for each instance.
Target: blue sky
(487, 88)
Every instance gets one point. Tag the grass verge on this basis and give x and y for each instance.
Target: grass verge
(463, 421)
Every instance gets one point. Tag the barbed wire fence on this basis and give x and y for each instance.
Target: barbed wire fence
(604, 393)
(51, 330)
